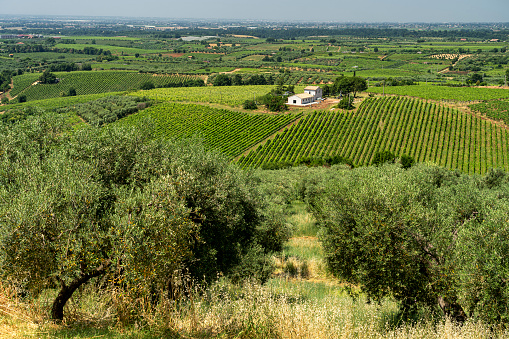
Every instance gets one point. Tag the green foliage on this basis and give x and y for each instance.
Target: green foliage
(47, 78)
(382, 157)
(346, 103)
(113, 202)
(346, 85)
(222, 80)
(108, 109)
(147, 85)
(250, 104)
(426, 236)
(22, 98)
(18, 114)
(407, 161)
(274, 103)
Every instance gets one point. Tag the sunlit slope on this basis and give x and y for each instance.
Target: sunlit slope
(228, 131)
(426, 131)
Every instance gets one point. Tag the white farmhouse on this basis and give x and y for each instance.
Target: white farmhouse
(301, 99)
(315, 91)
(310, 95)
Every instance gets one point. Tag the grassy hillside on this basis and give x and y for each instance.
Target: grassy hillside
(231, 132)
(426, 131)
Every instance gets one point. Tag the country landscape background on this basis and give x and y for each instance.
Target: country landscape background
(154, 182)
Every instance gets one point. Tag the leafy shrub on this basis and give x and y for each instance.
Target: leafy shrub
(346, 103)
(250, 104)
(112, 202)
(428, 237)
(383, 157)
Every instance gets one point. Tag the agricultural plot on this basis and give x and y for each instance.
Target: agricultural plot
(495, 109)
(445, 93)
(113, 49)
(21, 82)
(224, 95)
(230, 132)
(101, 82)
(426, 131)
(59, 102)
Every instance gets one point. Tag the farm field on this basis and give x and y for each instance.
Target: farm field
(114, 49)
(494, 109)
(224, 130)
(224, 95)
(434, 92)
(92, 82)
(428, 132)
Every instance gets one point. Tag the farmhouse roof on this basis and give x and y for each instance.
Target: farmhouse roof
(304, 95)
(312, 88)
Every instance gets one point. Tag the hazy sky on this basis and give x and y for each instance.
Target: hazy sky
(313, 10)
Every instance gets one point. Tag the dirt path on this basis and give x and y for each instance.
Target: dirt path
(230, 72)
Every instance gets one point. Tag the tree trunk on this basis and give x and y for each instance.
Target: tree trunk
(453, 310)
(66, 291)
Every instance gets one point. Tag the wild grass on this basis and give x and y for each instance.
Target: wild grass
(302, 300)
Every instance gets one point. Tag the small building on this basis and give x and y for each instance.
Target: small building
(315, 91)
(301, 99)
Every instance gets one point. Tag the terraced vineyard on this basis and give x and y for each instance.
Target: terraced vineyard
(225, 95)
(445, 93)
(228, 131)
(427, 131)
(94, 82)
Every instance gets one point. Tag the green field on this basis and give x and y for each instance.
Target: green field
(113, 49)
(494, 109)
(228, 131)
(227, 95)
(426, 131)
(444, 93)
(91, 82)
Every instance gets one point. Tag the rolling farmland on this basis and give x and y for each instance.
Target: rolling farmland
(444, 92)
(225, 95)
(428, 132)
(88, 82)
(230, 132)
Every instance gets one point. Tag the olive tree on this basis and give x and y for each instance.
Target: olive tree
(76, 204)
(425, 236)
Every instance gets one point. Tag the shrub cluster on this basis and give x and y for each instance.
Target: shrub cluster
(429, 237)
(77, 205)
(108, 109)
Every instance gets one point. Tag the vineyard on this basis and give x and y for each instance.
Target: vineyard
(228, 131)
(54, 103)
(94, 82)
(225, 95)
(495, 109)
(445, 93)
(428, 132)
(21, 82)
